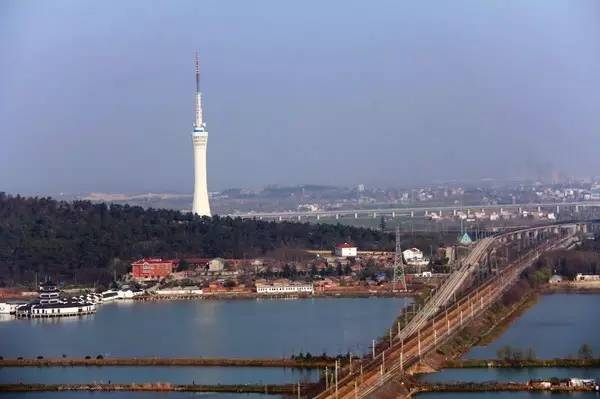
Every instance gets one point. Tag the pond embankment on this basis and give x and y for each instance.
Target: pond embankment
(288, 389)
(199, 362)
(532, 363)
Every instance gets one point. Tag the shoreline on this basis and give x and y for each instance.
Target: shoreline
(250, 296)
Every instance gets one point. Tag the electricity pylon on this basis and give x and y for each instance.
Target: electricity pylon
(399, 276)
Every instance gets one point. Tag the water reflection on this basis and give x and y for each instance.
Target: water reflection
(235, 328)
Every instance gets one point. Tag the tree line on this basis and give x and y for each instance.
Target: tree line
(85, 242)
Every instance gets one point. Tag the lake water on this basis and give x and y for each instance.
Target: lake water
(555, 327)
(209, 328)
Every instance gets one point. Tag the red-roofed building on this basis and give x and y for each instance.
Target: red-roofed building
(345, 250)
(153, 268)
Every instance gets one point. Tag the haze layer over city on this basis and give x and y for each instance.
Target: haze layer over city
(324, 200)
(98, 97)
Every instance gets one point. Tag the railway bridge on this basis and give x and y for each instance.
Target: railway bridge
(463, 296)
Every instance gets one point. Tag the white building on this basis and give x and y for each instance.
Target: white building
(412, 255)
(273, 289)
(216, 265)
(345, 250)
(587, 277)
(180, 291)
(200, 205)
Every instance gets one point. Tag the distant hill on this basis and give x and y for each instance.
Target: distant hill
(81, 241)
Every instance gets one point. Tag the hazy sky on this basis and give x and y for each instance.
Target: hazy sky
(98, 96)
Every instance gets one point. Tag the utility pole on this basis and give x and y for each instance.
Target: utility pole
(419, 342)
(336, 378)
(402, 355)
(373, 349)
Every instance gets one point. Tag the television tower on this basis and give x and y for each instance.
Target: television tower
(398, 265)
(200, 206)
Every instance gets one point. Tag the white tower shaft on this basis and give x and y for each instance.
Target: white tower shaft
(200, 205)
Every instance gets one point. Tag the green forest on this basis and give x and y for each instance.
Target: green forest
(84, 242)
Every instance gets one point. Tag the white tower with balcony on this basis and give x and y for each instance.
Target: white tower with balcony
(200, 205)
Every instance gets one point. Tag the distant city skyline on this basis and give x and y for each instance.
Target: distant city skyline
(96, 97)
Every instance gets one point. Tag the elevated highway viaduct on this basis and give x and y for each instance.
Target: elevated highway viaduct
(457, 301)
(555, 207)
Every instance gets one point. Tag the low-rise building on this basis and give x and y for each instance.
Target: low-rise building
(412, 254)
(587, 277)
(216, 265)
(152, 268)
(281, 288)
(182, 291)
(555, 279)
(346, 250)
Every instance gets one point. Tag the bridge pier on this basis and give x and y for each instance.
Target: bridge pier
(393, 214)
(355, 215)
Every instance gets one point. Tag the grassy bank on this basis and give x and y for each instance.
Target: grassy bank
(157, 387)
(500, 387)
(316, 362)
(500, 363)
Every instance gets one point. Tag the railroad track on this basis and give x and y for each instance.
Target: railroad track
(433, 330)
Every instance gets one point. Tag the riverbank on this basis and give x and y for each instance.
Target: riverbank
(148, 362)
